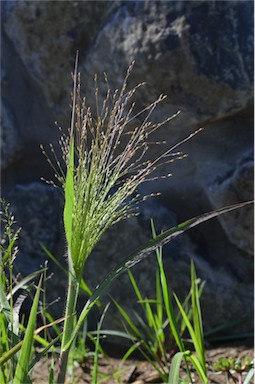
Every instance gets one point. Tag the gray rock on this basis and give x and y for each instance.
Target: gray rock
(37, 210)
(26, 119)
(46, 36)
(176, 54)
(235, 186)
(9, 141)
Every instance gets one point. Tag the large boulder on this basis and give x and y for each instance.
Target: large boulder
(198, 53)
(231, 188)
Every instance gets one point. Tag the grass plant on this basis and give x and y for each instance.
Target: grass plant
(16, 358)
(103, 165)
(236, 370)
(161, 331)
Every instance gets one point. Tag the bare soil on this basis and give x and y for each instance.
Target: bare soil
(136, 371)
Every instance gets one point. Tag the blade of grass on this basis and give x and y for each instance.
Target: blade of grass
(135, 286)
(43, 352)
(157, 331)
(249, 376)
(69, 182)
(198, 367)
(52, 321)
(95, 365)
(147, 335)
(195, 340)
(188, 323)
(153, 321)
(197, 316)
(159, 299)
(8, 354)
(69, 197)
(159, 302)
(131, 350)
(51, 375)
(24, 357)
(174, 373)
(4, 305)
(23, 283)
(169, 307)
(128, 319)
(11, 352)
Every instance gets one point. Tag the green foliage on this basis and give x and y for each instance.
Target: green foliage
(237, 365)
(195, 328)
(69, 198)
(155, 310)
(13, 351)
(97, 349)
(233, 366)
(9, 322)
(16, 357)
(21, 373)
(174, 373)
(161, 330)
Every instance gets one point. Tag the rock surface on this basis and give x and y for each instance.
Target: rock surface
(37, 210)
(200, 54)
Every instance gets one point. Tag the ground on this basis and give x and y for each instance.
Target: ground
(141, 372)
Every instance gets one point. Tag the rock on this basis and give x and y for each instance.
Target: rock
(46, 38)
(231, 188)
(175, 54)
(26, 119)
(37, 210)
(9, 139)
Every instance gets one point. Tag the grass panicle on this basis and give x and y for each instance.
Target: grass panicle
(108, 165)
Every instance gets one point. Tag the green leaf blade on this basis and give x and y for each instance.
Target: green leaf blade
(69, 197)
(24, 357)
(174, 373)
(197, 316)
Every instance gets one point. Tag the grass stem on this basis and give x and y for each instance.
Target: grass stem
(69, 323)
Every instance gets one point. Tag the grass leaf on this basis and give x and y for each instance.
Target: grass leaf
(169, 307)
(97, 347)
(174, 373)
(4, 305)
(198, 367)
(249, 376)
(25, 353)
(69, 197)
(199, 364)
(197, 316)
